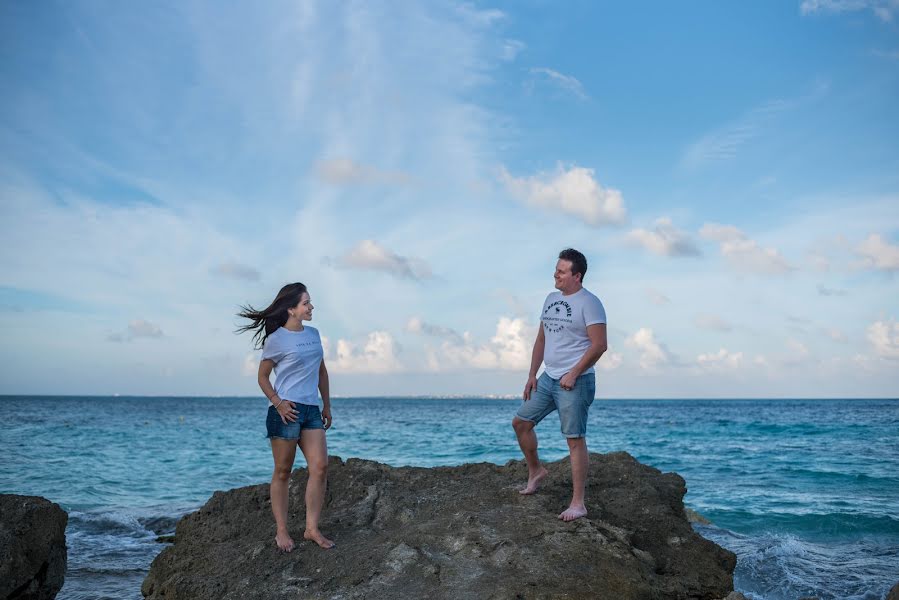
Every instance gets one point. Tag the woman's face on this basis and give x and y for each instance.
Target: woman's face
(303, 310)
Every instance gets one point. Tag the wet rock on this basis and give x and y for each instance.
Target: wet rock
(451, 532)
(32, 547)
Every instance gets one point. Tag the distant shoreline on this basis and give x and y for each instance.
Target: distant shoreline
(452, 397)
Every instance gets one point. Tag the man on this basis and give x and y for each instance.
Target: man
(571, 339)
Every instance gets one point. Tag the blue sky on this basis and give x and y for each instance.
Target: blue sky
(731, 171)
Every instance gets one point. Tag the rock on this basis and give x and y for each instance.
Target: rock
(32, 547)
(735, 596)
(893, 594)
(695, 517)
(451, 532)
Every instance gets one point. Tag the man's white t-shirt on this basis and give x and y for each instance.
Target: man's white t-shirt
(565, 320)
(297, 356)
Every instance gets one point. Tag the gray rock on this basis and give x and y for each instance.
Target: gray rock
(32, 547)
(451, 532)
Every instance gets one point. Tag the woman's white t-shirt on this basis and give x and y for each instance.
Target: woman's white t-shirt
(297, 356)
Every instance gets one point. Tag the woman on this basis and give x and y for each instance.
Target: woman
(295, 353)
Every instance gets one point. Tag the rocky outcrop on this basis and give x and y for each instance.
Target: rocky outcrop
(32, 547)
(451, 532)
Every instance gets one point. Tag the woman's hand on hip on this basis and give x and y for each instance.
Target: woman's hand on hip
(287, 411)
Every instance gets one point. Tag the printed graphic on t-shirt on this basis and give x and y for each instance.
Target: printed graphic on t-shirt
(556, 316)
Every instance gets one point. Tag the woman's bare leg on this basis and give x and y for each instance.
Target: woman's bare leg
(283, 452)
(315, 449)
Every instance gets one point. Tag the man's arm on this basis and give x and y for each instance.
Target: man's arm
(598, 345)
(536, 361)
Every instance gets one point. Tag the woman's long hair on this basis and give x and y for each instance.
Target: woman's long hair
(268, 320)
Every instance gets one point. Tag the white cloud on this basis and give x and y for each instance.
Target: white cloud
(743, 253)
(566, 82)
(653, 353)
(574, 191)
(884, 9)
(712, 323)
(878, 254)
(377, 354)
(236, 270)
(884, 337)
(610, 361)
(370, 255)
(345, 171)
(665, 239)
(723, 359)
(508, 349)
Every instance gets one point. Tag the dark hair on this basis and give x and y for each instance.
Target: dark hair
(578, 261)
(268, 320)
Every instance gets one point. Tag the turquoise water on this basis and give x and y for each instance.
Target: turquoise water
(806, 492)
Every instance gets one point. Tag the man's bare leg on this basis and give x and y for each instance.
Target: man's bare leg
(315, 449)
(283, 452)
(527, 441)
(580, 460)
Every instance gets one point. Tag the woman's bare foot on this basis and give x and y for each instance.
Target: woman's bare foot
(284, 541)
(317, 537)
(574, 512)
(534, 482)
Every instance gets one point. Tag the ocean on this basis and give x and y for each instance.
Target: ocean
(805, 492)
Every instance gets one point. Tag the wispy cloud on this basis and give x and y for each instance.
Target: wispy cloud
(235, 270)
(344, 171)
(665, 239)
(138, 328)
(372, 256)
(712, 323)
(884, 9)
(574, 191)
(560, 80)
(724, 143)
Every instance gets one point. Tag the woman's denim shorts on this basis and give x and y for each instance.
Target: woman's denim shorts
(308, 417)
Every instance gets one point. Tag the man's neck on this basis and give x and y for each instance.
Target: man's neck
(572, 291)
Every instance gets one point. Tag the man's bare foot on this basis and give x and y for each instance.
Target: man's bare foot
(284, 541)
(534, 482)
(317, 537)
(574, 512)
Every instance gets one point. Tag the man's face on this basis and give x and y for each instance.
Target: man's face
(564, 279)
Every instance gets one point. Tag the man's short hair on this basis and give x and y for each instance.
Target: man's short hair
(578, 261)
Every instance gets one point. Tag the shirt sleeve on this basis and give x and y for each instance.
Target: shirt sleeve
(272, 351)
(594, 312)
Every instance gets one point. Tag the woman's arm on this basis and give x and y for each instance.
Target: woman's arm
(324, 387)
(284, 408)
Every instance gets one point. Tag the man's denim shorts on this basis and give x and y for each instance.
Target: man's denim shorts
(308, 417)
(572, 404)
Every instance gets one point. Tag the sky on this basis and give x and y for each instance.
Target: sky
(730, 170)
